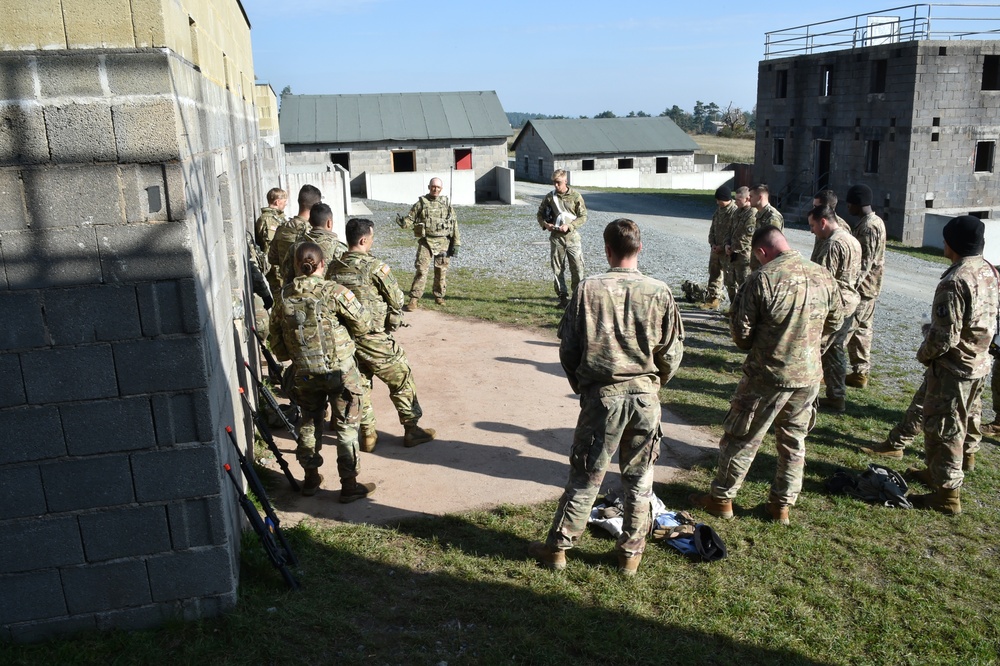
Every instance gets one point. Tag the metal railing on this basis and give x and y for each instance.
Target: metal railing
(887, 26)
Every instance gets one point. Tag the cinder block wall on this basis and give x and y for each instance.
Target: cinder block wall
(127, 177)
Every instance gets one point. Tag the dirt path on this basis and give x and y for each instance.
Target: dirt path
(504, 415)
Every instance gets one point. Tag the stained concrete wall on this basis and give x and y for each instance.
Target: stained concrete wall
(128, 178)
(406, 188)
(629, 178)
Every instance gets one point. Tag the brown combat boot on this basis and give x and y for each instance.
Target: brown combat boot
(720, 508)
(833, 404)
(945, 500)
(919, 475)
(778, 512)
(412, 304)
(351, 490)
(884, 450)
(550, 558)
(415, 435)
(563, 302)
(968, 462)
(857, 380)
(368, 438)
(991, 429)
(312, 482)
(710, 305)
(438, 300)
(628, 564)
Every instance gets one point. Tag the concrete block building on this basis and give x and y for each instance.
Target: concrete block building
(128, 179)
(459, 136)
(903, 101)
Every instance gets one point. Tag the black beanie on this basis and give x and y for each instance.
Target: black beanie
(859, 195)
(965, 235)
(723, 194)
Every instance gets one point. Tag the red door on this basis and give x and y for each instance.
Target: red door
(463, 159)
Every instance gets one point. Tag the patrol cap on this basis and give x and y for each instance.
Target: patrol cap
(723, 194)
(965, 235)
(859, 195)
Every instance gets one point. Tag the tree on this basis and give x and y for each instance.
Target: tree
(287, 90)
(606, 114)
(639, 114)
(681, 117)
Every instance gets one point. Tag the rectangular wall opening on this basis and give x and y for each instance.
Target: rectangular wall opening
(341, 159)
(879, 70)
(872, 156)
(624, 162)
(984, 156)
(826, 81)
(991, 72)
(662, 165)
(404, 161)
(778, 152)
(587, 165)
(781, 84)
(463, 159)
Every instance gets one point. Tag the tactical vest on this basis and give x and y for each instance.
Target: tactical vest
(312, 333)
(436, 216)
(356, 272)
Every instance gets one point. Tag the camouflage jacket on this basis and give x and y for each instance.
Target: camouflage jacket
(434, 221)
(841, 255)
(722, 222)
(741, 233)
(327, 241)
(770, 215)
(782, 316)
(572, 203)
(621, 333)
(374, 284)
(284, 237)
(263, 229)
(314, 325)
(817, 241)
(963, 320)
(870, 232)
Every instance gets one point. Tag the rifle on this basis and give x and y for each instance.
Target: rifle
(267, 529)
(265, 434)
(273, 367)
(271, 401)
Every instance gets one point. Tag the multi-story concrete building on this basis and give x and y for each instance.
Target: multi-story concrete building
(903, 101)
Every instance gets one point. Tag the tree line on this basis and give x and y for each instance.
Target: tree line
(703, 119)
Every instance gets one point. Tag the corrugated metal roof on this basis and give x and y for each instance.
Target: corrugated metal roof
(610, 136)
(392, 116)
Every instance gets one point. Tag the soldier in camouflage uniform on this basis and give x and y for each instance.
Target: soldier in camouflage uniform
(718, 232)
(378, 353)
(870, 232)
(621, 340)
(561, 213)
(287, 233)
(956, 353)
(828, 198)
(262, 298)
(270, 218)
(783, 316)
(738, 242)
(319, 231)
(839, 253)
(312, 326)
(434, 224)
(766, 214)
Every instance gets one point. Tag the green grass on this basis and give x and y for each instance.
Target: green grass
(700, 197)
(929, 253)
(727, 149)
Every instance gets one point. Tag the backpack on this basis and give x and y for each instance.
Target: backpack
(308, 336)
(875, 485)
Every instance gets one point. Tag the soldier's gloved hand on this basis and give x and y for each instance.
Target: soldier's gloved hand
(393, 321)
(268, 300)
(400, 221)
(453, 251)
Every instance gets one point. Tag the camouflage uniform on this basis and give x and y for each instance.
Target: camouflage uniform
(262, 297)
(565, 249)
(956, 353)
(817, 241)
(265, 226)
(783, 315)
(870, 232)
(905, 432)
(434, 225)
(766, 215)
(841, 255)
(322, 355)
(718, 232)
(740, 236)
(622, 339)
(378, 353)
(327, 241)
(284, 237)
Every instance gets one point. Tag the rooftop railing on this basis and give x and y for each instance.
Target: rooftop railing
(887, 26)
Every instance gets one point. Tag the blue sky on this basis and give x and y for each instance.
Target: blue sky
(580, 59)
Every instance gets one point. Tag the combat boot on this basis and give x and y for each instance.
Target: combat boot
(563, 302)
(720, 508)
(884, 450)
(945, 500)
(712, 304)
(968, 462)
(920, 476)
(312, 482)
(351, 490)
(628, 564)
(857, 380)
(368, 438)
(438, 300)
(778, 512)
(414, 435)
(412, 305)
(991, 429)
(833, 404)
(550, 558)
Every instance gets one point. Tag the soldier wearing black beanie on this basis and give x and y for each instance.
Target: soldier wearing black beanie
(965, 235)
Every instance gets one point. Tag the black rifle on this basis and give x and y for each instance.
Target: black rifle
(265, 434)
(274, 368)
(271, 536)
(272, 402)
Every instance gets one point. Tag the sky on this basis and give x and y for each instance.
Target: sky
(571, 58)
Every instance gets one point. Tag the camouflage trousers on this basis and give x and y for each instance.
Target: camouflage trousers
(859, 345)
(631, 422)
(343, 391)
(715, 274)
(995, 388)
(379, 355)
(261, 317)
(566, 251)
(906, 431)
(737, 272)
(422, 265)
(755, 405)
(835, 361)
(952, 408)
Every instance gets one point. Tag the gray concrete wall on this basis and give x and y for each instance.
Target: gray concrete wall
(406, 188)
(534, 161)
(128, 181)
(504, 178)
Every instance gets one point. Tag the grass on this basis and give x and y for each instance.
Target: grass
(727, 149)
(699, 197)
(846, 583)
(929, 253)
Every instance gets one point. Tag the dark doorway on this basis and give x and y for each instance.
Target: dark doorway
(662, 165)
(404, 161)
(341, 159)
(822, 165)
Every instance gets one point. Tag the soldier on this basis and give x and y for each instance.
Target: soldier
(783, 317)
(319, 231)
(828, 198)
(262, 297)
(286, 234)
(313, 327)
(870, 232)
(433, 222)
(621, 340)
(561, 213)
(378, 353)
(956, 353)
(718, 232)
(738, 244)
(839, 253)
(760, 199)
(270, 218)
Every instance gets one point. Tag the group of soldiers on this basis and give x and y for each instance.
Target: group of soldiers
(332, 309)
